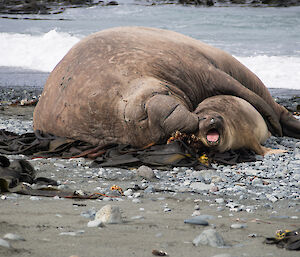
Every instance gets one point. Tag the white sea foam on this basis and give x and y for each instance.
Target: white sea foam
(43, 52)
(275, 71)
(40, 52)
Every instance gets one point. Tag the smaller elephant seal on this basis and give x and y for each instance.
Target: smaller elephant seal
(229, 122)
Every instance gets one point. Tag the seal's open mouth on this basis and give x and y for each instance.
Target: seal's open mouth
(213, 136)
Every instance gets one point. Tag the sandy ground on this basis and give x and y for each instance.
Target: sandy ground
(41, 221)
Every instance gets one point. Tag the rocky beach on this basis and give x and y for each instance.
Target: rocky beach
(179, 211)
(223, 211)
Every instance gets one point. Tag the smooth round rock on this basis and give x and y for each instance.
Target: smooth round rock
(145, 172)
(209, 237)
(196, 221)
(219, 200)
(109, 214)
(4, 243)
(95, 223)
(128, 192)
(200, 186)
(239, 225)
(13, 237)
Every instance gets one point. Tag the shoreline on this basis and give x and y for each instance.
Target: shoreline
(52, 7)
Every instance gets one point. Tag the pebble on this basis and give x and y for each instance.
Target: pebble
(89, 214)
(196, 221)
(128, 192)
(34, 198)
(13, 237)
(109, 214)
(209, 237)
(272, 198)
(200, 186)
(149, 190)
(166, 209)
(239, 225)
(72, 233)
(196, 213)
(197, 207)
(219, 200)
(256, 182)
(4, 243)
(146, 172)
(252, 235)
(95, 223)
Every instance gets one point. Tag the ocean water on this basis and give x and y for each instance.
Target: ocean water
(266, 40)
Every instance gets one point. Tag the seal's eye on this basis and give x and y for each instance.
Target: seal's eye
(202, 118)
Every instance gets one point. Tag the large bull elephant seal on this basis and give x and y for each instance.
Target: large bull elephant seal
(138, 85)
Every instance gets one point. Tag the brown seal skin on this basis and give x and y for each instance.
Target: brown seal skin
(138, 85)
(233, 123)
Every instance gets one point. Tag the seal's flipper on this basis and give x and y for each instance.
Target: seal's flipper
(167, 114)
(227, 85)
(290, 125)
(267, 151)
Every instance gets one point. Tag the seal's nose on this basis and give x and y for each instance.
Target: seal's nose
(212, 121)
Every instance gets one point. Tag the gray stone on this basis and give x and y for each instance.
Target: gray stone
(89, 214)
(166, 209)
(109, 214)
(196, 221)
(95, 223)
(146, 172)
(149, 190)
(209, 237)
(219, 200)
(128, 192)
(4, 243)
(13, 237)
(296, 177)
(72, 233)
(251, 172)
(256, 182)
(199, 186)
(239, 225)
(272, 198)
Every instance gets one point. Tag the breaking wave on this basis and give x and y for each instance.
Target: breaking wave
(43, 52)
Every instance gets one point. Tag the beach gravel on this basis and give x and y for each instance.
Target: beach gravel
(263, 194)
